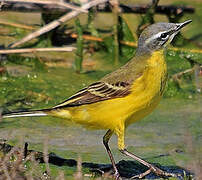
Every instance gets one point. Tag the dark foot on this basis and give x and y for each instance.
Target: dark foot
(156, 171)
(152, 168)
(111, 174)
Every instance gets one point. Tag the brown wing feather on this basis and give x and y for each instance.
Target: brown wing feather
(96, 92)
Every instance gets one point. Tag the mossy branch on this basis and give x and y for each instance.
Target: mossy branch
(79, 43)
(115, 11)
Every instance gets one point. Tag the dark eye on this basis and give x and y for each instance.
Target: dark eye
(164, 36)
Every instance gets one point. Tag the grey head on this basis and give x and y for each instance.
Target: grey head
(158, 36)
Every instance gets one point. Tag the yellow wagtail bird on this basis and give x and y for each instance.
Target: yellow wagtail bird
(124, 96)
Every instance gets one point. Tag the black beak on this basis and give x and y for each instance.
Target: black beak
(181, 25)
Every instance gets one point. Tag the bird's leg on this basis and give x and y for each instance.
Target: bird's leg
(151, 167)
(106, 138)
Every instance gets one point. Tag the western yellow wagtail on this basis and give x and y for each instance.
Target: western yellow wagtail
(124, 96)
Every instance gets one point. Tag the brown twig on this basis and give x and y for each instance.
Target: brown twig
(78, 175)
(87, 37)
(45, 2)
(46, 156)
(178, 75)
(98, 39)
(17, 25)
(56, 23)
(186, 50)
(31, 50)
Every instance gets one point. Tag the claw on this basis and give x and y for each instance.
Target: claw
(140, 176)
(162, 173)
(117, 176)
(156, 171)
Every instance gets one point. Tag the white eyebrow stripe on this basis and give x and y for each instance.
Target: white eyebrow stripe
(155, 36)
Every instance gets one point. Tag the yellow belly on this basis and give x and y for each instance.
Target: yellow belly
(145, 95)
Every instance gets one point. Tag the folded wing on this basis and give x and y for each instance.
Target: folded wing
(96, 92)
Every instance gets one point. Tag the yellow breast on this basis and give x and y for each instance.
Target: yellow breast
(148, 89)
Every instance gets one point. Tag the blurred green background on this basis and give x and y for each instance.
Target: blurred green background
(42, 80)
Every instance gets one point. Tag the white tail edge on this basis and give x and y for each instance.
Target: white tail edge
(24, 114)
